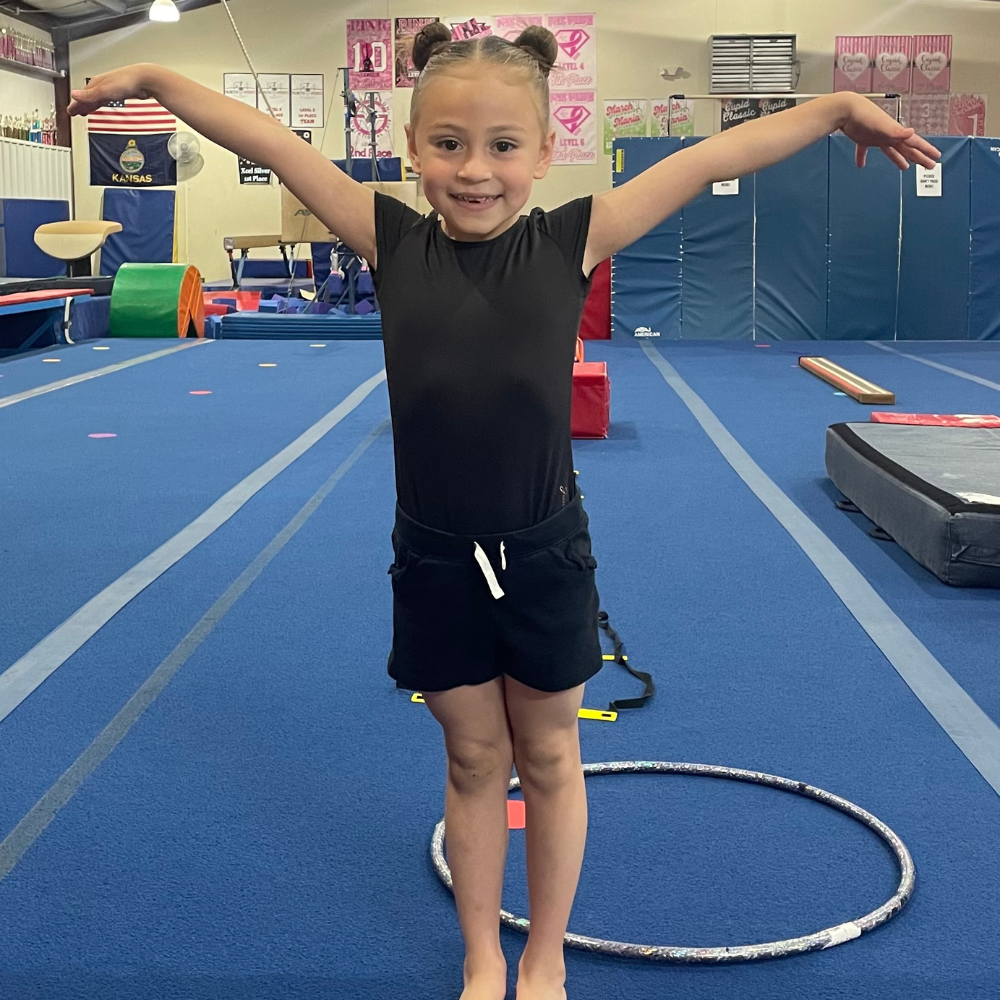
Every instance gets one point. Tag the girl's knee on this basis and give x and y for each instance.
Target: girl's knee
(550, 762)
(473, 764)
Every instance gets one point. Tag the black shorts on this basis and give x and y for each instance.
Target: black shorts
(468, 609)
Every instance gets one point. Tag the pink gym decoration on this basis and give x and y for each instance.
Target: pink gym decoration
(852, 63)
(931, 64)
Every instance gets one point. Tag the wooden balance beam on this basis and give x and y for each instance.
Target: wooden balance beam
(858, 388)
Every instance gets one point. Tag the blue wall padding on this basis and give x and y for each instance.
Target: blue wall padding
(984, 276)
(646, 288)
(864, 244)
(90, 317)
(272, 267)
(147, 235)
(934, 263)
(19, 218)
(390, 168)
(792, 209)
(717, 264)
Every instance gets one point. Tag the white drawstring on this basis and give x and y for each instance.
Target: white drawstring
(503, 557)
(487, 568)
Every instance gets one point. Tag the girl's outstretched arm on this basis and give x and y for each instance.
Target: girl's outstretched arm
(624, 214)
(344, 206)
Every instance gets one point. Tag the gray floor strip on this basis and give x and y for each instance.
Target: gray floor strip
(28, 830)
(934, 364)
(972, 730)
(20, 397)
(23, 677)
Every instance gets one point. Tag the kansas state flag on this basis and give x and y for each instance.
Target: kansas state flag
(128, 145)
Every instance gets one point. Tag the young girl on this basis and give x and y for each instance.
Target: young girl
(495, 606)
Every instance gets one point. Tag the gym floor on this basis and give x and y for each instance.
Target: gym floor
(219, 793)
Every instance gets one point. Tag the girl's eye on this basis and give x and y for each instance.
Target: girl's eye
(503, 146)
(449, 144)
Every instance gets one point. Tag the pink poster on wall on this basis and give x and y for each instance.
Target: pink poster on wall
(893, 59)
(852, 63)
(576, 65)
(967, 114)
(509, 26)
(929, 114)
(575, 118)
(464, 28)
(369, 53)
(931, 64)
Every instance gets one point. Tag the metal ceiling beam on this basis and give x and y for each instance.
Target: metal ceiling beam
(115, 6)
(85, 27)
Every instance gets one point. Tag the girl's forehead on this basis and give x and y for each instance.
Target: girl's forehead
(479, 94)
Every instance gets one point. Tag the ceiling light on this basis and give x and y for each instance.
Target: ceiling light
(164, 10)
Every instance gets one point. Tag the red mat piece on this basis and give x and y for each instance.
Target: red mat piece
(42, 296)
(515, 814)
(591, 413)
(245, 301)
(937, 419)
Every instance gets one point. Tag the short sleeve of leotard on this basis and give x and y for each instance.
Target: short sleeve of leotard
(568, 227)
(392, 220)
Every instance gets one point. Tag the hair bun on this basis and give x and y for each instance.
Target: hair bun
(541, 43)
(430, 40)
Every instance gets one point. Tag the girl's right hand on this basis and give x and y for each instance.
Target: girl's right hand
(119, 84)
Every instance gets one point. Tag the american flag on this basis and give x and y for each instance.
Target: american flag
(132, 117)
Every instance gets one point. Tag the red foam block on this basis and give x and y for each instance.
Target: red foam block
(41, 296)
(515, 814)
(591, 413)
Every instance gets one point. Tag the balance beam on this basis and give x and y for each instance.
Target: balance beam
(858, 388)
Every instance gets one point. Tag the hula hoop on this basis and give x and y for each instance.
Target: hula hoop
(828, 938)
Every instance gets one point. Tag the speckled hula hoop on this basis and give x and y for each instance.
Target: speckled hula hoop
(737, 953)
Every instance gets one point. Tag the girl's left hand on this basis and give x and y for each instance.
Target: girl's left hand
(868, 125)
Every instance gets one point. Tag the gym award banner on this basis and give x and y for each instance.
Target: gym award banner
(623, 119)
(852, 63)
(573, 112)
(361, 140)
(509, 26)
(893, 60)
(307, 100)
(932, 64)
(369, 53)
(747, 109)
(967, 115)
(672, 117)
(463, 28)
(407, 28)
(573, 88)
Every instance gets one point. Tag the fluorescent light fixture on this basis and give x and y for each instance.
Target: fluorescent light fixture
(164, 10)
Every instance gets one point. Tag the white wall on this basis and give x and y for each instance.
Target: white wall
(23, 95)
(635, 39)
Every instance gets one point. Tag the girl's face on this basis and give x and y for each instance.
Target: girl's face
(478, 145)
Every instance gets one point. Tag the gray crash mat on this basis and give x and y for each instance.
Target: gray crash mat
(935, 490)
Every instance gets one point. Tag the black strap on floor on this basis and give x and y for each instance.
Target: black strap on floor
(622, 661)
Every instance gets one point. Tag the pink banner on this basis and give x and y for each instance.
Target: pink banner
(929, 114)
(369, 53)
(509, 26)
(931, 64)
(576, 66)
(852, 63)
(463, 28)
(574, 113)
(967, 114)
(407, 28)
(893, 59)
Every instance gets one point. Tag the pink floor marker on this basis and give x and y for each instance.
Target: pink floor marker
(515, 814)
(761, 345)
(201, 392)
(102, 435)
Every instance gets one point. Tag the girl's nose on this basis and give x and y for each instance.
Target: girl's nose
(475, 167)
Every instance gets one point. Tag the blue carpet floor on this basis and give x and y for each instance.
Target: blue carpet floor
(263, 830)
